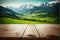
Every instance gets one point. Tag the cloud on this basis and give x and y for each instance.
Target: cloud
(53, 2)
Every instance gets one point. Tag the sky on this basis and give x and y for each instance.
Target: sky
(17, 3)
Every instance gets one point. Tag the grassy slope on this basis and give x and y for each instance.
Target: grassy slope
(34, 16)
(16, 21)
(29, 16)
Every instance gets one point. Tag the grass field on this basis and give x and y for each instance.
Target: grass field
(29, 19)
(16, 21)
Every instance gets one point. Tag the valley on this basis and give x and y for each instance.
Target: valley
(43, 14)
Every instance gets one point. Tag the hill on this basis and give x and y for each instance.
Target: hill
(5, 12)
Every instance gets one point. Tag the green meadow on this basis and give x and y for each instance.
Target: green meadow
(16, 21)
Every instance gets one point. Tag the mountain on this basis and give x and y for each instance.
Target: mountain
(23, 9)
(5, 12)
(14, 9)
(48, 7)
